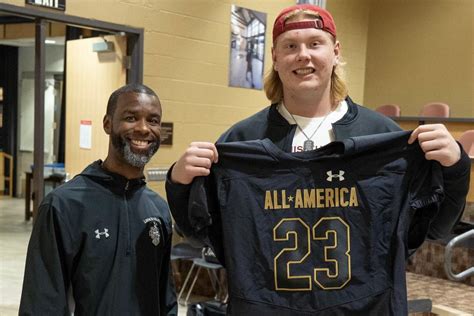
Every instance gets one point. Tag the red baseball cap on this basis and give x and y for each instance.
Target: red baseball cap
(325, 21)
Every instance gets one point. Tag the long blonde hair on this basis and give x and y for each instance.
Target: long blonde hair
(274, 87)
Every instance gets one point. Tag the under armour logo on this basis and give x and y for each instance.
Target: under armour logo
(104, 233)
(339, 175)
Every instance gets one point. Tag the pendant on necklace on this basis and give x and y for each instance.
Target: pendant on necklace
(308, 145)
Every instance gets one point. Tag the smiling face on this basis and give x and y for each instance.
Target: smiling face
(304, 59)
(134, 130)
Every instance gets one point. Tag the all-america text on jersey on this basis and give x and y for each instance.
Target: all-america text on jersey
(312, 198)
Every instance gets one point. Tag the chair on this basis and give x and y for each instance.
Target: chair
(389, 110)
(467, 142)
(435, 109)
(212, 268)
(182, 251)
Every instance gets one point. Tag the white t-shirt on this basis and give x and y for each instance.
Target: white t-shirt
(324, 134)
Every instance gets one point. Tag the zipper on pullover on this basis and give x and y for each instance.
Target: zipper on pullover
(129, 233)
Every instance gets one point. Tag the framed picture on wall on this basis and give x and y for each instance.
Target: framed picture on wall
(247, 48)
(319, 3)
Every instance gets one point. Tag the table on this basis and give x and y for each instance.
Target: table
(54, 179)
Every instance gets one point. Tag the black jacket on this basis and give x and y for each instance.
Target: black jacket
(94, 235)
(358, 121)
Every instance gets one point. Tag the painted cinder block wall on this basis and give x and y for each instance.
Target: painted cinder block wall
(421, 51)
(187, 56)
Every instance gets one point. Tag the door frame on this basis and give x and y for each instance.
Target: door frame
(135, 48)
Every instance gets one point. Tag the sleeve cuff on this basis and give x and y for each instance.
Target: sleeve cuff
(176, 187)
(460, 168)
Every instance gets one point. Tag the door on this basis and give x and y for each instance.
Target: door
(8, 117)
(90, 79)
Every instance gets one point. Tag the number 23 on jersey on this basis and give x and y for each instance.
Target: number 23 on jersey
(332, 238)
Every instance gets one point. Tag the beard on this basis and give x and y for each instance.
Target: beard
(138, 160)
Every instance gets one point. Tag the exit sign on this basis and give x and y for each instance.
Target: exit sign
(52, 4)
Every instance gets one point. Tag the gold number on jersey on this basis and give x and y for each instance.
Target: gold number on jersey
(333, 235)
(296, 230)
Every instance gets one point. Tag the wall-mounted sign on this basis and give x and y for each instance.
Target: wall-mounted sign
(52, 4)
(166, 133)
(85, 134)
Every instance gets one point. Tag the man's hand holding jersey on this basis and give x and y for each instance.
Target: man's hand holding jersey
(196, 161)
(437, 144)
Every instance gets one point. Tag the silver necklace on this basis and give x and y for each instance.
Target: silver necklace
(308, 144)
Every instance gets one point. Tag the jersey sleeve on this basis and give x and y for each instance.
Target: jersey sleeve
(195, 212)
(204, 214)
(178, 197)
(200, 204)
(456, 187)
(426, 193)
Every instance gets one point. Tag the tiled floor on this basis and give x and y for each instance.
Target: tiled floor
(14, 235)
(441, 292)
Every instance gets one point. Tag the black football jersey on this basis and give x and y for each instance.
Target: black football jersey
(324, 232)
